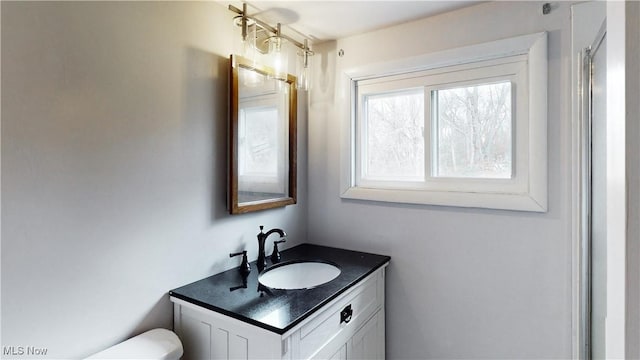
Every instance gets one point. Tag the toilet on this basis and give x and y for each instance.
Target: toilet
(156, 344)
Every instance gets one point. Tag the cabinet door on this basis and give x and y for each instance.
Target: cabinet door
(204, 340)
(209, 335)
(340, 354)
(368, 342)
(196, 338)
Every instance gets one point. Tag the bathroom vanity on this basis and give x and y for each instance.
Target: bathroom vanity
(231, 316)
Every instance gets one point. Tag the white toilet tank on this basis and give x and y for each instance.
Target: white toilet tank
(156, 344)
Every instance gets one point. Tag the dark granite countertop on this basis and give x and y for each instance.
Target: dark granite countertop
(279, 310)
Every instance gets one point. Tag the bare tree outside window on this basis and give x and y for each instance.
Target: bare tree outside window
(472, 132)
(394, 136)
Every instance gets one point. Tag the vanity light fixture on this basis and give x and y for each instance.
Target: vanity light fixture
(270, 40)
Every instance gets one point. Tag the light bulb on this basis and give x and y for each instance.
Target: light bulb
(278, 55)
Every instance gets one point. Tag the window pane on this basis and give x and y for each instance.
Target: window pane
(393, 136)
(472, 131)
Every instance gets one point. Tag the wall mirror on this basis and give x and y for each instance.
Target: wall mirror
(262, 164)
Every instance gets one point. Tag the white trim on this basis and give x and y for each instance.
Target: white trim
(616, 183)
(538, 122)
(532, 194)
(519, 45)
(446, 198)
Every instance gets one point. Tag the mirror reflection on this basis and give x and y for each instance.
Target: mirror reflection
(263, 151)
(263, 138)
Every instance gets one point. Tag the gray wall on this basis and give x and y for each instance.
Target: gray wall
(114, 142)
(463, 283)
(114, 174)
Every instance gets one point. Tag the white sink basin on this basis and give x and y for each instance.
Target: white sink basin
(299, 275)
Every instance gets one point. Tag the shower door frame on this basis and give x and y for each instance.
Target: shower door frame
(583, 16)
(586, 192)
(583, 33)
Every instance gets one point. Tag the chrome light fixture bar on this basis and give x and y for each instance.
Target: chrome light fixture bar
(246, 20)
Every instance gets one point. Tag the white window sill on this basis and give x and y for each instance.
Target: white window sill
(504, 201)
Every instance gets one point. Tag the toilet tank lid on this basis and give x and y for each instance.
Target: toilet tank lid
(160, 344)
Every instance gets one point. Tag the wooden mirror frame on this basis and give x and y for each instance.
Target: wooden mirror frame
(234, 206)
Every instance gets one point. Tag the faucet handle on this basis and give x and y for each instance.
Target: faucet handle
(275, 255)
(244, 268)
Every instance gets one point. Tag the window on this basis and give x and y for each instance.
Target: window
(393, 143)
(472, 131)
(451, 128)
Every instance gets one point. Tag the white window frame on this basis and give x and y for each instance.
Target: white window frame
(522, 61)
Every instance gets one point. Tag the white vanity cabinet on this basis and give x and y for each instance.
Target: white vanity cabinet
(351, 326)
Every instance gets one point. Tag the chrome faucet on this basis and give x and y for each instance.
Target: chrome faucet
(262, 238)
